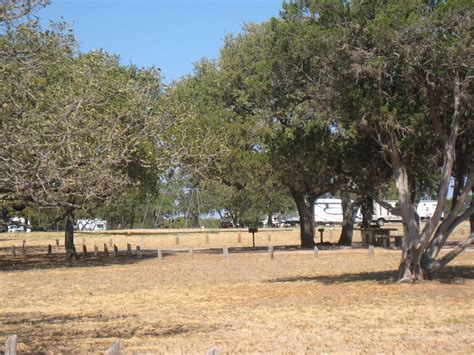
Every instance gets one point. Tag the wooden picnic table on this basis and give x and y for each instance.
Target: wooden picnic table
(379, 236)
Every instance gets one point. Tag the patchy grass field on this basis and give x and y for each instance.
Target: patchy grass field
(342, 301)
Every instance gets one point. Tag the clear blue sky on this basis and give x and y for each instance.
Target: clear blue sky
(169, 34)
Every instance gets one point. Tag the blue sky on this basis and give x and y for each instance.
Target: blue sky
(169, 34)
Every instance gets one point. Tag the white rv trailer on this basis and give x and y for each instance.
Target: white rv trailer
(425, 211)
(381, 215)
(329, 211)
(91, 224)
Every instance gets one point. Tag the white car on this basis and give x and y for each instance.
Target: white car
(14, 228)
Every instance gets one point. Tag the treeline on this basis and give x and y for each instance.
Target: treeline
(335, 97)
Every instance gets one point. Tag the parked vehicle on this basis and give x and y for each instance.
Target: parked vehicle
(12, 228)
(91, 224)
(426, 209)
(381, 215)
(328, 211)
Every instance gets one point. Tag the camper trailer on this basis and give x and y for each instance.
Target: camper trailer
(381, 215)
(328, 211)
(426, 209)
(91, 225)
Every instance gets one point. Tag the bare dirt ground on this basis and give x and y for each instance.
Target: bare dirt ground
(342, 301)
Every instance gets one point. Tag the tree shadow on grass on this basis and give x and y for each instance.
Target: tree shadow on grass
(43, 333)
(451, 275)
(40, 261)
(382, 277)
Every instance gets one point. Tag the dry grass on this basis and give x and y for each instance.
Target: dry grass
(343, 301)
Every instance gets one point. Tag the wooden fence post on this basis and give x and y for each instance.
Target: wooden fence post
(177, 239)
(106, 250)
(160, 254)
(239, 238)
(225, 251)
(207, 238)
(191, 253)
(10, 345)
(270, 251)
(213, 351)
(129, 249)
(50, 249)
(57, 244)
(371, 251)
(114, 348)
(96, 250)
(115, 250)
(24, 247)
(139, 252)
(111, 243)
(84, 250)
(13, 250)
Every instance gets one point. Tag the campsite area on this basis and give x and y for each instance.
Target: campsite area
(340, 300)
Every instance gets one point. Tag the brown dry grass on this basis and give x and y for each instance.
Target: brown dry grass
(343, 301)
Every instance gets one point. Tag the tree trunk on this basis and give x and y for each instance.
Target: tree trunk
(410, 264)
(69, 235)
(306, 214)
(349, 210)
(269, 220)
(367, 209)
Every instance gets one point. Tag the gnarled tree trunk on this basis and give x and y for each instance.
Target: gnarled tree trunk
(367, 210)
(349, 210)
(69, 235)
(306, 213)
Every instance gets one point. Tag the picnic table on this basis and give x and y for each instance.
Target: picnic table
(379, 237)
